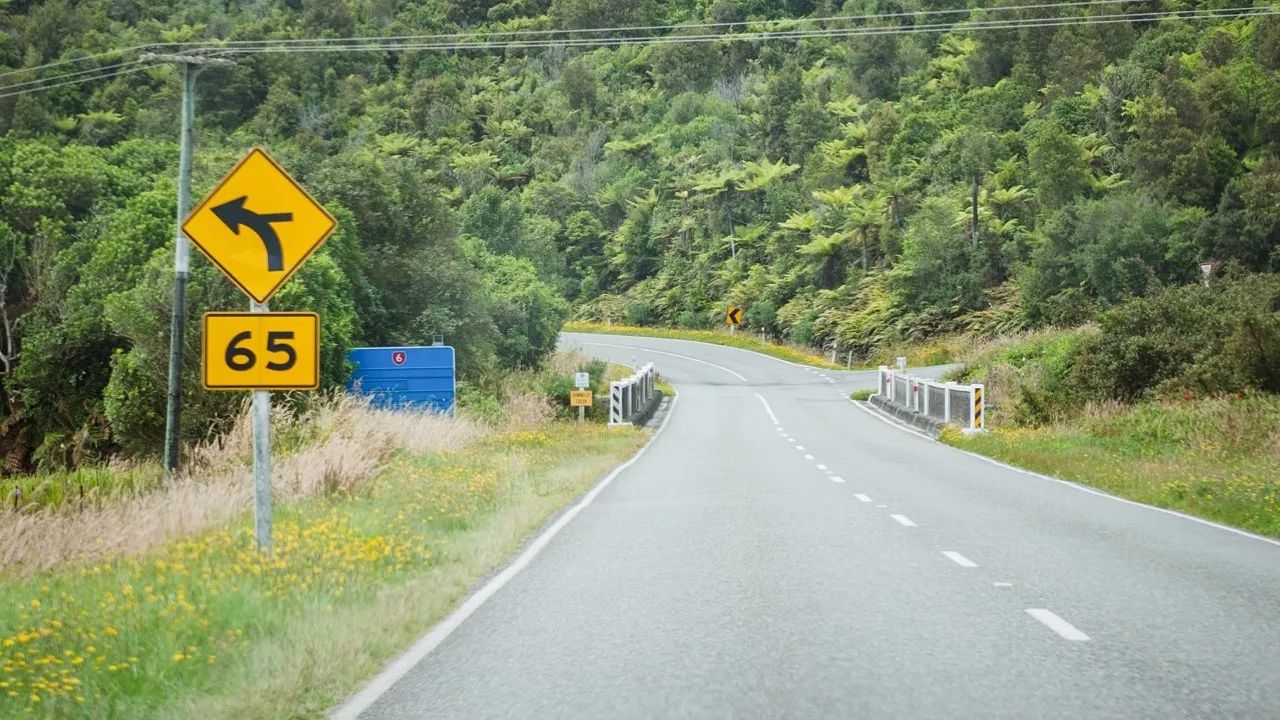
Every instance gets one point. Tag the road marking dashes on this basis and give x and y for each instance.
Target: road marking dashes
(821, 466)
(862, 497)
(767, 409)
(903, 520)
(959, 559)
(808, 457)
(1051, 620)
(837, 478)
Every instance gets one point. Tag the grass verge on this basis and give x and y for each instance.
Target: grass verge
(742, 341)
(1217, 458)
(206, 627)
(934, 351)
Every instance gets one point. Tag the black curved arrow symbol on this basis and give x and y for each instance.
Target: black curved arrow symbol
(234, 214)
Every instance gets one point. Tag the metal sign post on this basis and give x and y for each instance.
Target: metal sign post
(261, 460)
(581, 381)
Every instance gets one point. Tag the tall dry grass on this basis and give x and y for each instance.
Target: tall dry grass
(336, 444)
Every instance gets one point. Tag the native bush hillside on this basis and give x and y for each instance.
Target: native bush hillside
(852, 192)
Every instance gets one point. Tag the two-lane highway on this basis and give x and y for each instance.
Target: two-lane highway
(782, 552)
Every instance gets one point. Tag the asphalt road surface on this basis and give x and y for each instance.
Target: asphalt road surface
(781, 552)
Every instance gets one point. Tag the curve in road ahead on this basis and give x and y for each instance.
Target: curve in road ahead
(780, 552)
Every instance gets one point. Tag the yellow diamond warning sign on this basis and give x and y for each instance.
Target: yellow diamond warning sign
(258, 225)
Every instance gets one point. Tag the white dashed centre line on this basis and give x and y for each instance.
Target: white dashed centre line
(1051, 620)
(959, 559)
(821, 466)
(837, 478)
(1002, 584)
(808, 457)
(903, 520)
(862, 497)
(800, 448)
(768, 409)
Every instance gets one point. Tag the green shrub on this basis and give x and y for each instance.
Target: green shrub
(641, 313)
(762, 314)
(1190, 339)
(1028, 382)
(473, 400)
(691, 320)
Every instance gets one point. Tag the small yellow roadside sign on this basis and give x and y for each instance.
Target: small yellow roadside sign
(580, 398)
(258, 225)
(261, 351)
(733, 316)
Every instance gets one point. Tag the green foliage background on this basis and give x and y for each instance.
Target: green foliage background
(828, 185)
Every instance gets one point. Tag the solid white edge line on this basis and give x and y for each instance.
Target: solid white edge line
(1082, 488)
(769, 410)
(1051, 620)
(903, 520)
(676, 355)
(959, 559)
(398, 668)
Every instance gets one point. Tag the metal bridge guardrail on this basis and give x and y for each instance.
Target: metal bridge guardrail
(948, 402)
(630, 396)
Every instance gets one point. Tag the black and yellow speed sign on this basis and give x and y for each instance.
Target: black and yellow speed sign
(261, 351)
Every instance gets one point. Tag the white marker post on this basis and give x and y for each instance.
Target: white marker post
(582, 381)
(261, 460)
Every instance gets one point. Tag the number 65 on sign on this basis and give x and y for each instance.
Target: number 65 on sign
(261, 351)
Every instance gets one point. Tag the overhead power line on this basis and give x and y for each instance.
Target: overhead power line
(472, 41)
(753, 37)
(134, 67)
(202, 45)
(97, 71)
(682, 26)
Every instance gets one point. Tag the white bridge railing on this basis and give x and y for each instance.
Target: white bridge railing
(949, 402)
(629, 396)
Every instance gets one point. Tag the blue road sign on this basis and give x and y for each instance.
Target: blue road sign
(421, 378)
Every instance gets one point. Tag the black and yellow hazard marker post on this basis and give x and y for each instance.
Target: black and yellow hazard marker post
(978, 403)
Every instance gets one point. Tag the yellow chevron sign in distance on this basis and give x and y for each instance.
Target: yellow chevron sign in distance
(734, 316)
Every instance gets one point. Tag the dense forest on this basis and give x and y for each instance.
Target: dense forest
(851, 191)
